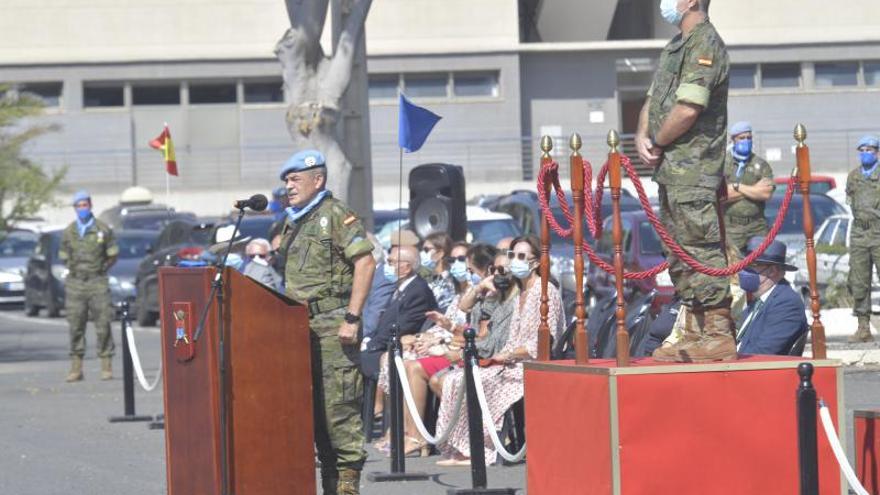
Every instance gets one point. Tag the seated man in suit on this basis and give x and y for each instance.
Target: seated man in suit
(775, 319)
(407, 308)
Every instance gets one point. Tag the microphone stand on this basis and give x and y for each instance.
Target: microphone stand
(217, 293)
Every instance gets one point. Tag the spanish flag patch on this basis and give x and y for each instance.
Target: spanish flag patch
(349, 220)
(705, 61)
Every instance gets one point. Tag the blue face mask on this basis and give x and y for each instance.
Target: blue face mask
(389, 273)
(427, 261)
(459, 271)
(520, 268)
(749, 280)
(670, 13)
(83, 214)
(868, 158)
(475, 279)
(743, 148)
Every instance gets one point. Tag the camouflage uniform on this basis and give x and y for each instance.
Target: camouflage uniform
(863, 196)
(745, 219)
(320, 249)
(87, 289)
(694, 69)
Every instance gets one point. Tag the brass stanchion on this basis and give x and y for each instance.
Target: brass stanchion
(544, 327)
(804, 178)
(617, 233)
(581, 339)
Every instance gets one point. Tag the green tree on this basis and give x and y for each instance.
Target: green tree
(24, 186)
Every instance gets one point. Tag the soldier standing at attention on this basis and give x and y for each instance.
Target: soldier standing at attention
(682, 132)
(863, 196)
(89, 249)
(329, 268)
(749, 186)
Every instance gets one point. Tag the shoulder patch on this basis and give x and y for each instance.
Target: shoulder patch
(705, 61)
(349, 220)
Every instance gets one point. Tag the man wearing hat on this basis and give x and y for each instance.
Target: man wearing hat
(749, 186)
(863, 196)
(89, 249)
(329, 268)
(775, 319)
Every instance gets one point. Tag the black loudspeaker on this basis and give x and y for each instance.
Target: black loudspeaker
(436, 200)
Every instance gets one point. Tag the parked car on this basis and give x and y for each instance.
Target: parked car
(16, 246)
(385, 216)
(252, 226)
(141, 217)
(482, 226)
(820, 184)
(181, 239)
(832, 261)
(792, 233)
(642, 250)
(46, 273)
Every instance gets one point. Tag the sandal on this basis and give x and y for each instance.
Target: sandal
(412, 447)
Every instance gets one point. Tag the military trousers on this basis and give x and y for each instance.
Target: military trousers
(691, 216)
(863, 260)
(338, 388)
(738, 235)
(85, 300)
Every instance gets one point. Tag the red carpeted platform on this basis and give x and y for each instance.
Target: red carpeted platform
(655, 428)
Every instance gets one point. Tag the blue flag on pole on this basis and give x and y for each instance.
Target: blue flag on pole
(414, 123)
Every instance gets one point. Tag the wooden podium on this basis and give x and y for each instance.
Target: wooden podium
(266, 421)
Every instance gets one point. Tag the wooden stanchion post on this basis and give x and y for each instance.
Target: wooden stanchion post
(581, 340)
(817, 330)
(617, 234)
(544, 327)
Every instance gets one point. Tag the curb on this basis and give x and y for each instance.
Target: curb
(852, 357)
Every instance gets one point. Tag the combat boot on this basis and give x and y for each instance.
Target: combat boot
(329, 480)
(349, 482)
(863, 334)
(717, 344)
(691, 335)
(76, 369)
(106, 368)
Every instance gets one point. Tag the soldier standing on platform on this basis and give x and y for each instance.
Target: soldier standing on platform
(749, 186)
(682, 132)
(863, 196)
(89, 249)
(329, 268)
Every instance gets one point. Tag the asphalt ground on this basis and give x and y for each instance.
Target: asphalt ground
(55, 437)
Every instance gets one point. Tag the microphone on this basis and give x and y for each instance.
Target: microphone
(257, 202)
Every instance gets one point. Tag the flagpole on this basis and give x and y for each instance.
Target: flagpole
(167, 175)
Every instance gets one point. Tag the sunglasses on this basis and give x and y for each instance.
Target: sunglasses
(427, 249)
(499, 270)
(519, 256)
(252, 256)
(452, 259)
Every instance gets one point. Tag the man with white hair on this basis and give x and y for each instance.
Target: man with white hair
(259, 266)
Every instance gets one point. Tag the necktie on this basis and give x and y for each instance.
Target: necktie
(754, 313)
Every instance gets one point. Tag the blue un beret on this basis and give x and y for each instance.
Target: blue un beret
(870, 141)
(80, 196)
(740, 127)
(304, 160)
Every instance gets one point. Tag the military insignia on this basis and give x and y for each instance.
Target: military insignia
(100, 236)
(707, 62)
(310, 161)
(184, 350)
(324, 222)
(349, 220)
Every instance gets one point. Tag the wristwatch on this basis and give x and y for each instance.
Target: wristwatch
(654, 143)
(352, 318)
(736, 186)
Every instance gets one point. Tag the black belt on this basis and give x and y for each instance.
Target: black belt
(734, 220)
(319, 306)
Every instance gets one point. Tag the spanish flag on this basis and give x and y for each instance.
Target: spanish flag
(164, 143)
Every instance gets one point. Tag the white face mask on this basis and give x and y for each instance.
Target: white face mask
(670, 13)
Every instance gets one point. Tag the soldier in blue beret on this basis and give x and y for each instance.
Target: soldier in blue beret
(749, 185)
(863, 196)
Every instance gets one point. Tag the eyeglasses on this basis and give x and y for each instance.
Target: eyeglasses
(452, 259)
(519, 256)
(499, 270)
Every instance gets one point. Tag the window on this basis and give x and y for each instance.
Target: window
(49, 92)
(827, 234)
(840, 236)
(742, 76)
(831, 74)
(872, 73)
(200, 93)
(384, 87)
(649, 241)
(103, 96)
(425, 85)
(475, 84)
(165, 94)
(264, 91)
(780, 76)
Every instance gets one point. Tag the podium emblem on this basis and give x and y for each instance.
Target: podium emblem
(184, 350)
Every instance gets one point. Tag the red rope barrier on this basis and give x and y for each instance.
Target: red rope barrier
(593, 205)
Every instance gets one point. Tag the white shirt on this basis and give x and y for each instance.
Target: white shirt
(403, 285)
